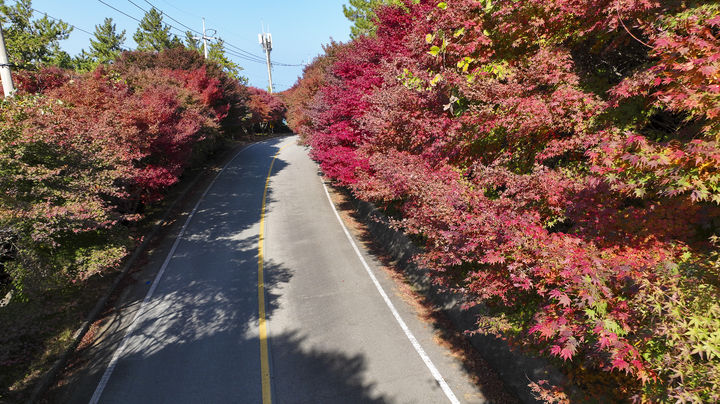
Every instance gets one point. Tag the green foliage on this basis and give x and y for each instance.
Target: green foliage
(83, 62)
(152, 35)
(107, 44)
(216, 53)
(685, 345)
(192, 43)
(33, 41)
(52, 198)
(362, 14)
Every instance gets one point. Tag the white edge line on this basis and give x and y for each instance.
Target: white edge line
(418, 348)
(121, 350)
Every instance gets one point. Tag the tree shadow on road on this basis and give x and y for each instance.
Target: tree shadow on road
(196, 339)
(200, 344)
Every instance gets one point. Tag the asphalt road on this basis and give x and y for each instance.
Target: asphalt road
(332, 336)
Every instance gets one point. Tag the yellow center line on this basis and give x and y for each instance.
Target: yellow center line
(264, 358)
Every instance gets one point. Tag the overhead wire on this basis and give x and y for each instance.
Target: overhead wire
(120, 11)
(59, 20)
(242, 57)
(239, 52)
(261, 61)
(245, 56)
(146, 11)
(168, 16)
(259, 58)
(230, 49)
(180, 10)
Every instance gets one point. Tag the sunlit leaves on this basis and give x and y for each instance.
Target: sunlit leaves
(579, 212)
(81, 156)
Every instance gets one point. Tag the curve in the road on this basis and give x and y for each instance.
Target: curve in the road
(260, 265)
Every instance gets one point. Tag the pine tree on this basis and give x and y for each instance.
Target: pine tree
(362, 14)
(152, 35)
(216, 53)
(191, 42)
(107, 44)
(32, 42)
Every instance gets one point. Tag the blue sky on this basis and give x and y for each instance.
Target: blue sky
(299, 28)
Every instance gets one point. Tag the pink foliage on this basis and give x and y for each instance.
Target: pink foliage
(501, 138)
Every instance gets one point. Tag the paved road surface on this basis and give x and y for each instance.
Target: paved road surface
(331, 335)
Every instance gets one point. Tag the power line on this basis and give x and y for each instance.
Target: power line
(120, 11)
(258, 58)
(289, 64)
(59, 20)
(168, 16)
(230, 49)
(161, 12)
(243, 57)
(135, 4)
(180, 10)
(242, 53)
(247, 55)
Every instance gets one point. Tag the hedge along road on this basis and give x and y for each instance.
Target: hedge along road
(265, 297)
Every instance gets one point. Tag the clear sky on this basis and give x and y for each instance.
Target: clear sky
(299, 28)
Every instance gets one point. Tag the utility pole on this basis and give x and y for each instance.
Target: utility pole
(205, 38)
(266, 42)
(5, 75)
(205, 50)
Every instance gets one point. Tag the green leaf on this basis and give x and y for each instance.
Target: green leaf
(442, 5)
(435, 50)
(436, 80)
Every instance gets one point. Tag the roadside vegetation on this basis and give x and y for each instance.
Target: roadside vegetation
(88, 146)
(559, 162)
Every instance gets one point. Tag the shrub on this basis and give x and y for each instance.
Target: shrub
(559, 158)
(267, 111)
(81, 157)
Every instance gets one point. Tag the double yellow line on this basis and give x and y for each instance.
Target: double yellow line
(264, 357)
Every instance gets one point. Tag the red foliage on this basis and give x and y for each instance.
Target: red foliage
(151, 129)
(354, 75)
(88, 153)
(223, 93)
(40, 81)
(267, 110)
(299, 97)
(208, 88)
(500, 130)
